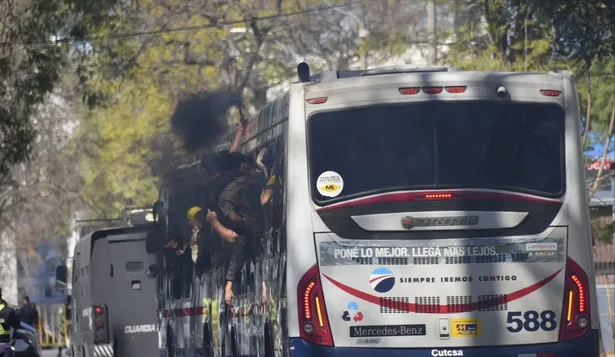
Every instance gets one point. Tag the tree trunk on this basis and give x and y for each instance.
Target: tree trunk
(605, 153)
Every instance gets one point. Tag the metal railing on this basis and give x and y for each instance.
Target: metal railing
(53, 327)
(605, 291)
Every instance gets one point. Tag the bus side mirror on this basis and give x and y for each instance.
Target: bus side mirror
(153, 240)
(68, 313)
(61, 277)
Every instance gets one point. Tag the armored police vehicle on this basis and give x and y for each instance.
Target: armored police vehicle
(113, 293)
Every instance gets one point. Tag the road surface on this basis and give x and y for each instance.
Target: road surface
(54, 353)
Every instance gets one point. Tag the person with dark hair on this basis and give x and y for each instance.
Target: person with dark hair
(28, 313)
(228, 167)
(237, 216)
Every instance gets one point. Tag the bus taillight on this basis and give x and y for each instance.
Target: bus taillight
(550, 93)
(409, 90)
(456, 89)
(576, 310)
(432, 90)
(318, 100)
(438, 196)
(313, 320)
(101, 330)
(581, 291)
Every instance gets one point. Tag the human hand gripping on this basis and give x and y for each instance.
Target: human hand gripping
(211, 216)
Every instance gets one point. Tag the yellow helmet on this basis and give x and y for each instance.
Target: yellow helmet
(192, 212)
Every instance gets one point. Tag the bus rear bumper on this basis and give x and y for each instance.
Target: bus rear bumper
(586, 346)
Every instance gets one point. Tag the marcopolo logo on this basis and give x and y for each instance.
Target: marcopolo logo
(382, 280)
(408, 222)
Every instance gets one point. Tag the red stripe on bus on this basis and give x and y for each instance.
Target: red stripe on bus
(203, 310)
(185, 311)
(380, 278)
(443, 309)
(410, 196)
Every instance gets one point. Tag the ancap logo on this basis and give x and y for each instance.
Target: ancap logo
(407, 222)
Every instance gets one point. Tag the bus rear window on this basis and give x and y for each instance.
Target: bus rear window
(477, 144)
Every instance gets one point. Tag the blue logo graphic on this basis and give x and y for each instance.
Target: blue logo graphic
(382, 280)
(345, 316)
(471, 327)
(353, 308)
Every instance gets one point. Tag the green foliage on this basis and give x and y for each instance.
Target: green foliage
(583, 30)
(527, 35)
(139, 81)
(602, 225)
(512, 38)
(28, 73)
(602, 78)
(30, 66)
(117, 166)
(132, 84)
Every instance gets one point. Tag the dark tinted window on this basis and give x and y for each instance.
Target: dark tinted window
(501, 145)
(134, 266)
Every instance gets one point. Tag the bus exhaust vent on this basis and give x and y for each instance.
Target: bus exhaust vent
(500, 258)
(425, 260)
(393, 261)
(394, 305)
(363, 260)
(427, 305)
(493, 302)
(458, 303)
(458, 260)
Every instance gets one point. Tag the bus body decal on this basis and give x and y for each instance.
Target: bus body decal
(444, 309)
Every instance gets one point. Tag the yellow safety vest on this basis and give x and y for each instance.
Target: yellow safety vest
(5, 329)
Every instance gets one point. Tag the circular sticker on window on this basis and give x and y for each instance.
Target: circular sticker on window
(330, 184)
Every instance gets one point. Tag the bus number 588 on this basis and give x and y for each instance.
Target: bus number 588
(531, 321)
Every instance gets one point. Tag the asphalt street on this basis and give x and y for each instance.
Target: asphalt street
(53, 353)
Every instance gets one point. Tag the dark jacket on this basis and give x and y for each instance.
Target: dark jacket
(8, 320)
(243, 196)
(29, 315)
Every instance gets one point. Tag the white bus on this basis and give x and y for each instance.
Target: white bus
(417, 213)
